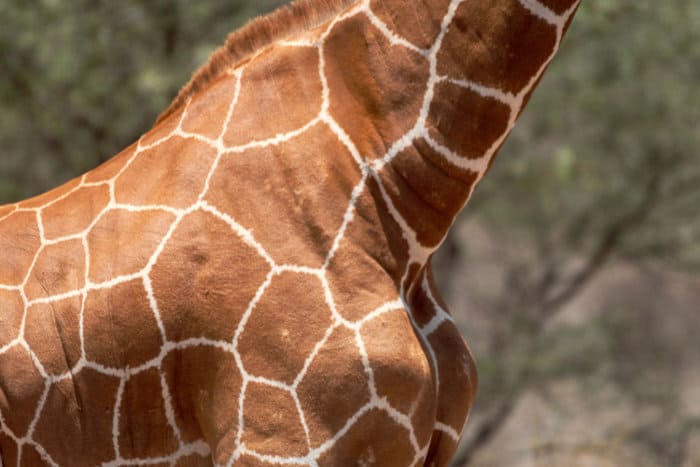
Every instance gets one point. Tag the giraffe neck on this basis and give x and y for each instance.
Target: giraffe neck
(431, 89)
(420, 96)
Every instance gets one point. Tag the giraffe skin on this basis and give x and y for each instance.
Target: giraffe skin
(242, 290)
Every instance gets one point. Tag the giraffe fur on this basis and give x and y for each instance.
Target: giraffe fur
(249, 284)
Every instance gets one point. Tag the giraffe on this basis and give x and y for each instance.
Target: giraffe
(249, 283)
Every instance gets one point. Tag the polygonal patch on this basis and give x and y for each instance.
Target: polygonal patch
(85, 421)
(497, 44)
(401, 369)
(291, 196)
(374, 439)
(288, 321)
(52, 332)
(367, 267)
(481, 121)
(271, 422)
(207, 112)
(59, 268)
(205, 279)
(334, 388)
(171, 174)
(376, 89)
(420, 25)
(122, 242)
(120, 328)
(291, 95)
(427, 194)
(74, 213)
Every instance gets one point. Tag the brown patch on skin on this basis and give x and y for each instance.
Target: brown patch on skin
(109, 169)
(11, 316)
(19, 242)
(9, 451)
(291, 93)
(207, 112)
(272, 425)
(471, 134)
(558, 6)
(497, 44)
(442, 186)
(194, 460)
(365, 271)
(120, 328)
(420, 25)
(45, 198)
(288, 321)
(427, 196)
(401, 370)
(59, 268)
(367, 100)
(177, 183)
(73, 214)
(85, 419)
(422, 309)
(31, 457)
(458, 379)
(205, 278)
(122, 242)
(55, 326)
(208, 385)
(21, 386)
(334, 388)
(306, 182)
(143, 427)
(375, 439)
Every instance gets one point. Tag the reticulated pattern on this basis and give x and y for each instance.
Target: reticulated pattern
(299, 388)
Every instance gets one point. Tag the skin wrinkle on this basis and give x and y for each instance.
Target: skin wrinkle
(233, 226)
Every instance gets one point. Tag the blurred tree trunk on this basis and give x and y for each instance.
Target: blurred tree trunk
(543, 294)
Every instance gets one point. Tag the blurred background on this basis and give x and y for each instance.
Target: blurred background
(575, 271)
